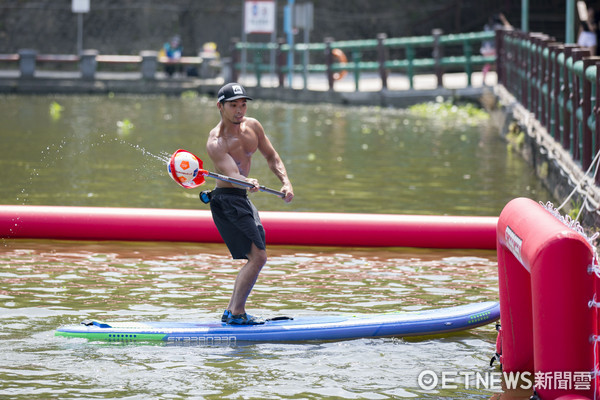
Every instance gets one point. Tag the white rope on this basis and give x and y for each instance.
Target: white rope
(594, 164)
(597, 161)
(594, 268)
(583, 206)
(571, 223)
(593, 302)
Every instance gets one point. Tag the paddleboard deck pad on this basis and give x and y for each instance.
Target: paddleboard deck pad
(301, 328)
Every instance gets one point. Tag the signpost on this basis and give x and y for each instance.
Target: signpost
(80, 7)
(259, 17)
(303, 18)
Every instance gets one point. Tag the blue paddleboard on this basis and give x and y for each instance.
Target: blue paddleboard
(302, 328)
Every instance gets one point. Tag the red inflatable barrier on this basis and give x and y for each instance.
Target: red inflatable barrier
(548, 323)
(285, 228)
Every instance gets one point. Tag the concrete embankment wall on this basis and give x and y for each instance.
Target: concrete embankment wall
(105, 83)
(552, 163)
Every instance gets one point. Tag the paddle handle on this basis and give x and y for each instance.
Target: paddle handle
(241, 182)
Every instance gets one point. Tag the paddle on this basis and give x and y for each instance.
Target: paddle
(186, 169)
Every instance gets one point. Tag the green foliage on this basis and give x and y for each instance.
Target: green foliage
(55, 110)
(446, 110)
(189, 94)
(125, 126)
(515, 137)
(575, 208)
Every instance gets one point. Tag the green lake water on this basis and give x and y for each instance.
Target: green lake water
(111, 151)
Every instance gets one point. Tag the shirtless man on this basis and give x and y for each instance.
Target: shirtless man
(230, 146)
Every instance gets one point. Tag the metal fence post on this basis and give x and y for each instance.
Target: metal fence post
(437, 55)
(596, 133)
(507, 60)
(235, 59)
(524, 68)
(149, 63)
(512, 62)
(256, 59)
(88, 64)
(567, 91)
(329, 61)
(542, 77)
(556, 93)
(588, 99)
(27, 62)
(551, 93)
(410, 69)
(468, 50)
(534, 78)
(577, 126)
(542, 81)
(529, 61)
(382, 58)
(546, 82)
(500, 56)
(356, 61)
(281, 61)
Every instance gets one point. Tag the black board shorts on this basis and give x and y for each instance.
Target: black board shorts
(237, 220)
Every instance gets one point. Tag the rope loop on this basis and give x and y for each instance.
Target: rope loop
(593, 302)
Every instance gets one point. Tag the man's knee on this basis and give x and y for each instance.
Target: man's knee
(257, 256)
(261, 257)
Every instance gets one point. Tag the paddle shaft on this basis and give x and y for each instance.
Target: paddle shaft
(242, 182)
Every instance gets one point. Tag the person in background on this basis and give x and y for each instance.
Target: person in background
(172, 50)
(230, 146)
(210, 67)
(588, 27)
(488, 47)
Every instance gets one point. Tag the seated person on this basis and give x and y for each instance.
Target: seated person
(173, 50)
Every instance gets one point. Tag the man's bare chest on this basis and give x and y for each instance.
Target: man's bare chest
(242, 146)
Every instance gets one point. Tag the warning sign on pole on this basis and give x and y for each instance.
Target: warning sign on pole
(259, 16)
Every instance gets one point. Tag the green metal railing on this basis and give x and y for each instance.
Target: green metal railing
(370, 55)
(558, 84)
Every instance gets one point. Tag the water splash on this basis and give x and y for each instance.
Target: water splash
(163, 156)
(61, 154)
